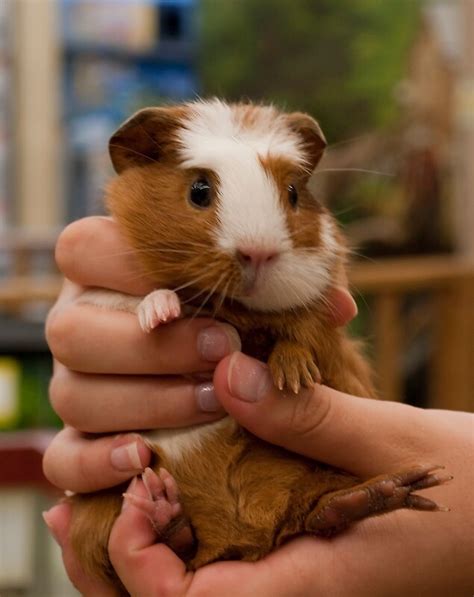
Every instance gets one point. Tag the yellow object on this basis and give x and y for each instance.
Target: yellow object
(9, 392)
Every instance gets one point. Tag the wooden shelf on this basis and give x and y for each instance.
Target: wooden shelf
(18, 290)
(21, 456)
(165, 53)
(410, 274)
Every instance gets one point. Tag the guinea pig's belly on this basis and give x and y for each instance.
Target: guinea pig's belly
(174, 446)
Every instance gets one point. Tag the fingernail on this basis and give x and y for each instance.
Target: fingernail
(47, 519)
(349, 307)
(206, 398)
(126, 458)
(354, 304)
(247, 378)
(217, 341)
(130, 489)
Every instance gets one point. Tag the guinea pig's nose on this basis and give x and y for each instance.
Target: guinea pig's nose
(255, 257)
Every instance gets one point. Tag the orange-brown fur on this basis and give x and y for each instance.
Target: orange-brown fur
(255, 495)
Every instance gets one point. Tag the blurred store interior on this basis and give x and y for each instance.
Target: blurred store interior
(392, 85)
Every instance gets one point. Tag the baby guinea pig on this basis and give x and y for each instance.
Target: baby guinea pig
(214, 200)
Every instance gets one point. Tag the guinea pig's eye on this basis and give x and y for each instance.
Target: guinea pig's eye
(200, 194)
(292, 195)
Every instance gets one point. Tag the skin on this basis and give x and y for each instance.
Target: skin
(409, 553)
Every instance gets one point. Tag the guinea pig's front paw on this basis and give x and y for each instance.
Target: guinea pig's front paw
(160, 306)
(292, 367)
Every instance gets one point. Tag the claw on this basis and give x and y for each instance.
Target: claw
(145, 505)
(153, 484)
(295, 386)
(419, 502)
(280, 383)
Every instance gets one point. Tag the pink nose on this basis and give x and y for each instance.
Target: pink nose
(255, 257)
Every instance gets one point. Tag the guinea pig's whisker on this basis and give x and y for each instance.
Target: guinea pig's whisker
(345, 210)
(362, 170)
(193, 281)
(208, 296)
(152, 139)
(222, 297)
(194, 296)
(357, 292)
(361, 256)
(348, 141)
(155, 250)
(129, 149)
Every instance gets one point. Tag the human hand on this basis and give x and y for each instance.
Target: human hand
(406, 552)
(111, 377)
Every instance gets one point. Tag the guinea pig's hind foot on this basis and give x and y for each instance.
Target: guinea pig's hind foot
(337, 510)
(164, 510)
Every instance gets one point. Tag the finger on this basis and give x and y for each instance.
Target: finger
(58, 521)
(77, 463)
(92, 252)
(143, 566)
(94, 340)
(363, 436)
(342, 307)
(105, 403)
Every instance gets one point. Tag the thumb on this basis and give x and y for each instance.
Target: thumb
(363, 436)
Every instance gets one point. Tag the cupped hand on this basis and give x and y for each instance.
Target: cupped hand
(109, 376)
(406, 552)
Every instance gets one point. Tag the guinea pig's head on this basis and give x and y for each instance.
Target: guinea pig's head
(214, 197)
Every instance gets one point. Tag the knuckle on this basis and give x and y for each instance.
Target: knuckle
(62, 396)
(84, 470)
(119, 553)
(310, 413)
(169, 587)
(66, 246)
(73, 238)
(51, 470)
(58, 331)
(115, 550)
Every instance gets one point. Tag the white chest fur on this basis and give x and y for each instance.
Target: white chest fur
(176, 442)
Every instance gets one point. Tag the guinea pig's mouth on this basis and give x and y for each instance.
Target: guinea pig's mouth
(249, 286)
(253, 280)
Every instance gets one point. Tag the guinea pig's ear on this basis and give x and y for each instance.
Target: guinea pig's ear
(146, 137)
(314, 141)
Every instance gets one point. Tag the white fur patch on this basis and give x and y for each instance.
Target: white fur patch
(212, 121)
(110, 299)
(298, 277)
(296, 280)
(216, 137)
(224, 139)
(176, 442)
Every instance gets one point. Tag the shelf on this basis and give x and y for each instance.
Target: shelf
(18, 290)
(182, 52)
(21, 336)
(410, 274)
(21, 456)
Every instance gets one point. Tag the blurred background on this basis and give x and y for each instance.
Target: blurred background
(392, 84)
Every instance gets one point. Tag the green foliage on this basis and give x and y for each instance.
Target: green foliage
(337, 59)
